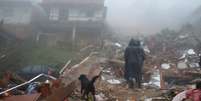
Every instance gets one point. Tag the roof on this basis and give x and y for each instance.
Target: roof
(32, 97)
(101, 2)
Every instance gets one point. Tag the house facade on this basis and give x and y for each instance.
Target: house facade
(77, 19)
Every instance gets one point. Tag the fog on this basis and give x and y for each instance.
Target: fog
(149, 16)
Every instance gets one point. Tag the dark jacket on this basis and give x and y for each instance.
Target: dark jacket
(134, 59)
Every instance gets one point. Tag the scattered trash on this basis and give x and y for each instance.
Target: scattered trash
(156, 99)
(165, 66)
(155, 79)
(148, 99)
(107, 71)
(182, 65)
(191, 52)
(113, 81)
(194, 65)
(182, 57)
(32, 88)
(103, 78)
(118, 45)
(146, 49)
(101, 97)
(183, 36)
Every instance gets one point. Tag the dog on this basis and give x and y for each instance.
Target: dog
(87, 86)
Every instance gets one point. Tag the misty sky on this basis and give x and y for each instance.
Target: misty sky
(148, 16)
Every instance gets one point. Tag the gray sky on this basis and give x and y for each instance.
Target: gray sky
(148, 16)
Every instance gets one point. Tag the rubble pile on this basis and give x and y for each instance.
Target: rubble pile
(169, 65)
(52, 89)
(167, 69)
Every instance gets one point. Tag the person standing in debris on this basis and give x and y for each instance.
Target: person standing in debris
(134, 59)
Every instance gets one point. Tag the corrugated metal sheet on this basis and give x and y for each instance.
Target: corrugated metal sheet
(32, 97)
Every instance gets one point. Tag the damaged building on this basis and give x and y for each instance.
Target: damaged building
(70, 21)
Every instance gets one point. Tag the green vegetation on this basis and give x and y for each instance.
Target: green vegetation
(47, 55)
(28, 53)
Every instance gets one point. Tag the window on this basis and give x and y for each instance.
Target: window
(90, 13)
(74, 13)
(54, 14)
(63, 14)
(77, 14)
